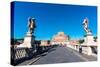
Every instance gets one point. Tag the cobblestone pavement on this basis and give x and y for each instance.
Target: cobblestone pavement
(64, 55)
(59, 55)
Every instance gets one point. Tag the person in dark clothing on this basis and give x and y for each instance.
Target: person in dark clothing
(80, 49)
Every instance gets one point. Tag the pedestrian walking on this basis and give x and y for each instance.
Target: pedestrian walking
(80, 49)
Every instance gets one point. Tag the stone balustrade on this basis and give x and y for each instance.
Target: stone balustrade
(19, 55)
(89, 50)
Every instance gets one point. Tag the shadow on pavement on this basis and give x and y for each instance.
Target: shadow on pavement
(41, 51)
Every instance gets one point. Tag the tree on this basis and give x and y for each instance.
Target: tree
(95, 38)
(81, 41)
(68, 37)
(13, 41)
(85, 35)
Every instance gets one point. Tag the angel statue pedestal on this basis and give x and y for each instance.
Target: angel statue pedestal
(88, 42)
(28, 40)
(89, 39)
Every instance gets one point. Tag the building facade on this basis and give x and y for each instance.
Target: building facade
(45, 43)
(60, 38)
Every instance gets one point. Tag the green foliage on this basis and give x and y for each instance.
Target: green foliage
(85, 35)
(81, 41)
(68, 37)
(95, 38)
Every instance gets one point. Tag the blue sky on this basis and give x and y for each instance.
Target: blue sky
(52, 18)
